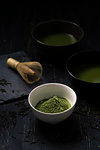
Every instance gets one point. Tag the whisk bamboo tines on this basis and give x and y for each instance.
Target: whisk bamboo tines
(31, 72)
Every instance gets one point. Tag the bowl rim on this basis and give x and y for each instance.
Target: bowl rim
(72, 75)
(59, 21)
(52, 114)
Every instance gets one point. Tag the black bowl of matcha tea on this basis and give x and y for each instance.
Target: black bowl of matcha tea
(56, 37)
(84, 70)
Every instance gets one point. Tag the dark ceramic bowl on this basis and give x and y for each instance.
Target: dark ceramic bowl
(84, 71)
(56, 38)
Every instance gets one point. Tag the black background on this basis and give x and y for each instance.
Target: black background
(17, 19)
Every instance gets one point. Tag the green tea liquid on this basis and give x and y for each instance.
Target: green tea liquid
(59, 39)
(89, 73)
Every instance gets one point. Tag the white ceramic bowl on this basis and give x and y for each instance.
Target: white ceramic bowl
(46, 91)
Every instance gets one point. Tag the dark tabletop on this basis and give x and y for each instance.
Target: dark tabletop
(19, 129)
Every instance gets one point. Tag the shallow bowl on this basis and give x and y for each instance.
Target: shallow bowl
(84, 71)
(48, 36)
(48, 90)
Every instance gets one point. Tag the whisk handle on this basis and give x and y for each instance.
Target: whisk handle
(12, 63)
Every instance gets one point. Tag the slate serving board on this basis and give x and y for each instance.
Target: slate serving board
(12, 86)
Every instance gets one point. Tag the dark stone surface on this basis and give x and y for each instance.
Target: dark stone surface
(12, 86)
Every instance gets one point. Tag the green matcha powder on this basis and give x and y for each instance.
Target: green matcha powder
(53, 105)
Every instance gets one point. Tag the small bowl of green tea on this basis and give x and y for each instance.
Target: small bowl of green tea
(56, 37)
(84, 68)
(52, 102)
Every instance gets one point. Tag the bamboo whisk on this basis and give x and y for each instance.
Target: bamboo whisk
(31, 72)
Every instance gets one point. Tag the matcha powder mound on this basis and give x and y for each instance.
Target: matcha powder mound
(53, 105)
